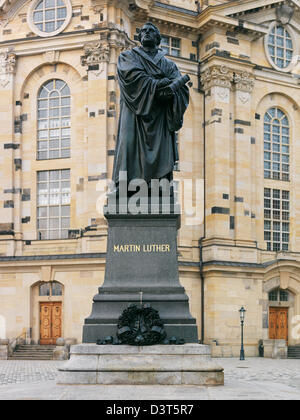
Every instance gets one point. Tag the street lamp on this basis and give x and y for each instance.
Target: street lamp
(242, 312)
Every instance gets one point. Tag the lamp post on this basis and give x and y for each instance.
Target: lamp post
(242, 312)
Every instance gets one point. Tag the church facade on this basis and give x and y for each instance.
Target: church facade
(237, 180)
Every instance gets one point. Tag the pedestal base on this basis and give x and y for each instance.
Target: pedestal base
(141, 264)
(188, 364)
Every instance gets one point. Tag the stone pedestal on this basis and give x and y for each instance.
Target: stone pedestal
(141, 265)
(275, 349)
(141, 268)
(4, 344)
(188, 364)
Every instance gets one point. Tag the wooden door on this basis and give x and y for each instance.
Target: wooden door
(278, 324)
(50, 322)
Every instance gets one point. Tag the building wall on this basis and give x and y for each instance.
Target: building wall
(221, 161)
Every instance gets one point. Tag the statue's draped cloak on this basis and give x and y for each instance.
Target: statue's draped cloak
(146, 146)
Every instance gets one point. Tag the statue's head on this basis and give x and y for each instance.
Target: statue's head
(149, 35)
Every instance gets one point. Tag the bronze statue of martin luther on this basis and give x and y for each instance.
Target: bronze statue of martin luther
(154, 98)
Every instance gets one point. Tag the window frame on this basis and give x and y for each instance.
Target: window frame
(279, 293)
(43, 34)
(49, 285)
(291, 32)
(272, 222)
(273, 160)
(170, 46)
(48, 118)
(48, 206)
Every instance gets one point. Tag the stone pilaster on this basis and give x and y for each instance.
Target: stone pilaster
(9, 148)
(217, 83)
(243, 148)
(95, 59)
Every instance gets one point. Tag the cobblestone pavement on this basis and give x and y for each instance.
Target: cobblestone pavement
(252, 379)
(20, 371)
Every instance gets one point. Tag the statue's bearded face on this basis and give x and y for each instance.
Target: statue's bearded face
(149, 36)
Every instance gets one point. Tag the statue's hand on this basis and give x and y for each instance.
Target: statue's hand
(163, 83)
(168, 93)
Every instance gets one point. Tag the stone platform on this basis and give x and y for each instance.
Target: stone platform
(188, 364)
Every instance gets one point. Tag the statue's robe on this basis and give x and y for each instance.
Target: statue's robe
(146, 146)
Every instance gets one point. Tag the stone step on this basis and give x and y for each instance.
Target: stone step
(33, 352)
(24, 349)
(294, 352)
(35, 346)
(29, 358)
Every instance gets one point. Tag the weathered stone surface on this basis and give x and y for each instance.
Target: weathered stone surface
(275, 349)
(168, 365)
(3, 352)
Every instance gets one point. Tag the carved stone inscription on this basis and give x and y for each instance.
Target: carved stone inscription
(128, 248)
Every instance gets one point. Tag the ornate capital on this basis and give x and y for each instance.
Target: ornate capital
(220, 76)
(7, 62)
(7, 67)
(244, 81)
(95, 53)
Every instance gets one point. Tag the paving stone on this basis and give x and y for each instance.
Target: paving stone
(252, 379)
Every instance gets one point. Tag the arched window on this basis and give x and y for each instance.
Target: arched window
(276, 145)
(52, 288)
(54, 120)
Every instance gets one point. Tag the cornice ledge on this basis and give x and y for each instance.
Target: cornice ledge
(211, 19)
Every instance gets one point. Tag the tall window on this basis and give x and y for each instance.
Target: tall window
(276, 145)
(170, 45)
(54, 120)
(53, 212)
(280, 46)
(277, 219)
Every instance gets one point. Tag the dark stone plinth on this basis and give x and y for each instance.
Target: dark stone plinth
(141, 257)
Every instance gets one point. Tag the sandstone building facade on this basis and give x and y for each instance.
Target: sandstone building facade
(239, 161)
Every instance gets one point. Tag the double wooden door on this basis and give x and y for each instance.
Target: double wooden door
(278, 324)
(50, 322)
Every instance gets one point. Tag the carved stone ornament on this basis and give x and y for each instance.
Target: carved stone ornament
(52, 56)
(140, 326)
(244, 81)
(220, 76)
(7, 66)
(284, 13)
(243, 97)
(95, 53)
(7, 62)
